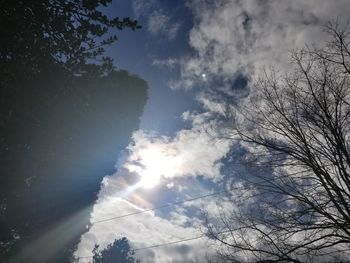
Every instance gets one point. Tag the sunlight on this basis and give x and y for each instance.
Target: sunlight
(150, 180)
(153, 163)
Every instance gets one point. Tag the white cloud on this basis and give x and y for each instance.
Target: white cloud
(118, 197)
(169, 63)
(142, 230)
(245, 35)
(228, 37)
(190, 153)
(159, 21)
(161, 24)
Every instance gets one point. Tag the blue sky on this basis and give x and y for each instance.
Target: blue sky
(200, 59)
(137, 52)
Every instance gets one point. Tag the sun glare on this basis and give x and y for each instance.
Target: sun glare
(149, 181)
(155, 164)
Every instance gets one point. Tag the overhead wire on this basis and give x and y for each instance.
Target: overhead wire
(157, 207)
(170, 243)
(168, 205)
(167, 243)
(159, 245)
(178, 202)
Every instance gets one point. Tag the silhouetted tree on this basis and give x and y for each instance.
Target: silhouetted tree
(117, 252)
(64, 115)
(59, 136)
(296, 132)
(72, 33)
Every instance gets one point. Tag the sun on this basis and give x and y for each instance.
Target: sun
(149, 180)
(155, 163)
(152, 160)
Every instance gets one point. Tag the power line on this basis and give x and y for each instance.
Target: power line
(170, 243)
(168, 205)
(159, 245)
(181, 202)
(167, 243)
(155, 208)
(179, 241)
(158, 207)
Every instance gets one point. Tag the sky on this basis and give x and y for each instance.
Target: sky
(199, 59)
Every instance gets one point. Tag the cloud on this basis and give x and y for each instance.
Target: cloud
(231, 36)
(232, 41)
(142, 230)
(146, 229)
(190, 153)
(160, 24)
(169, 63)
(159, 21)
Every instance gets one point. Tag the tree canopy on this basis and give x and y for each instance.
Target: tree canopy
(117, 252)
(72, 33)
(65, 113)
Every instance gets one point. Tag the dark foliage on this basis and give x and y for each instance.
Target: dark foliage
(117, 252)
(72, 33)
(59, 137)
(65, 114)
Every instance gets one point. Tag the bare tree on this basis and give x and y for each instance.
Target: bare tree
(297, 131)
